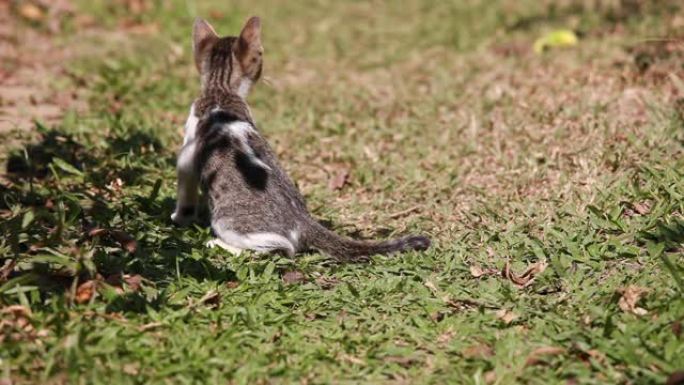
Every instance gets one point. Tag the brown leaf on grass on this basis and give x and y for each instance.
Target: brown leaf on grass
(464, 303)
(96, 232)
(132, 369)
(85, 291)
(31, 12)
(477, 271)
(212, 299)
(133, 282)
(490, 377)
(676, 378)
(405, 362)
(126, 241)
(480, 351)
(232, 284)
(642, 208)
(630, 296)
(445, 337)
(292, 277)
(638, 208)
(339, 179)
(527, 277)
(677, 328)
(505, 315)
(7, 269)
(537, 355)
(15, 325)
(327, 282)
(351, 359)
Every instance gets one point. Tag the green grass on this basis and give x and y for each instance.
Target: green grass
(448, 125)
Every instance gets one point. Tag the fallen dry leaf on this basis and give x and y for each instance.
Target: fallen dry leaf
(133, 282)
(132, 369)
(676, 378)
(294, 276)
(232, 284)
(327, 282)
(17, 311)
(642, 208)
(490, 377)
(402, 361)
(85, 291)
(7, 269)
(677, 328)
(212, 299)
(15, 325)
(630, 296)
(527, 277)
(96, 232)
(31, 12)
(445, 337)
(505, 315)
(481, 351)
(352, 359)
(477, 271)
(339, 179)
(126, 241)
(536, 357)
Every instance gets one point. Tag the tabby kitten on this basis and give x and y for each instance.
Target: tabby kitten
(253, 204)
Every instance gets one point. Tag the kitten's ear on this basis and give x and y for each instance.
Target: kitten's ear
(249, 42)
(203, 38)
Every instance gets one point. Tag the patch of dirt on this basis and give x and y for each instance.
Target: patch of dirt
(30, 60)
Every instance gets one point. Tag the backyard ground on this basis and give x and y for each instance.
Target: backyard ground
(551, 183)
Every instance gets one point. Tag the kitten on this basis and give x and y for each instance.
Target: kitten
(253, 204)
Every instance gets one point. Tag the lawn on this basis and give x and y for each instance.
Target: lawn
(551, 184)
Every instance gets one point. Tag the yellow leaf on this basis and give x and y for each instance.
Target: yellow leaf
(555, 39)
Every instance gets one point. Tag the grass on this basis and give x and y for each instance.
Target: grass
(446, 123)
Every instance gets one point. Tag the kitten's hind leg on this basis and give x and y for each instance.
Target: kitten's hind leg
(218, 242)
(188, 180)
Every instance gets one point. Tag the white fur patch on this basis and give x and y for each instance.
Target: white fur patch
(259, 242)
(190, 125)
(294, 236)
(243, 88)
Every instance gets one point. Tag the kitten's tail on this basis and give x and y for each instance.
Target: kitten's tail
(345, 249)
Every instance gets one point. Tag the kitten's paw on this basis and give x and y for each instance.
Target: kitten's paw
(219, 243)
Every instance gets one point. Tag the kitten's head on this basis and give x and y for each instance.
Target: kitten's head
(229, 63)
